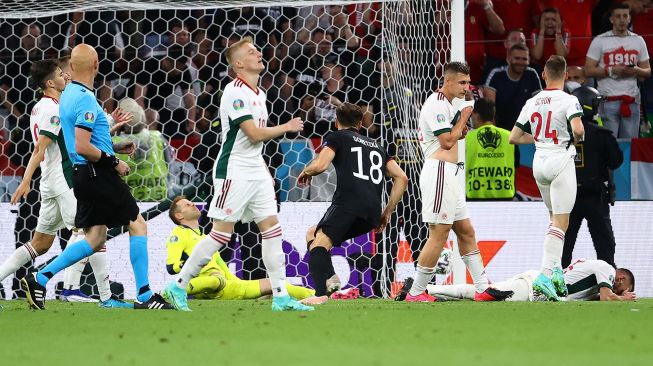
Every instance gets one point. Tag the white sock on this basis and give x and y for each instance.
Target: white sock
(474, 264)
(422, 278)
(201, 255)
(21, 256)
(464, 291)
(553, 244)
(101, 273)
(72, 275)
(274, 260)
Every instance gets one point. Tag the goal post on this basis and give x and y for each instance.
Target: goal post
(386, 56)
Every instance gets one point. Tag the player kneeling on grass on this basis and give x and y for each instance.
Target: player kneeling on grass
(585, 280)
(214, 281)
(361, 165)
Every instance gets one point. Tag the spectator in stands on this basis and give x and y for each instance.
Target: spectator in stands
(515, 14)
(365, 19)
(301, 75)
(550, 38)
(16, 94)
(250, 21)
(344, 42)
(579, 16)
(104, 31)
(479, 19)
(618, 59)
(509, 87)
(642, 22)
(167, 85)
(515, 36)
(148, 178)
(318, 108)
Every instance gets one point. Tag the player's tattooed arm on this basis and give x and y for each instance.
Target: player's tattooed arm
(317, 166)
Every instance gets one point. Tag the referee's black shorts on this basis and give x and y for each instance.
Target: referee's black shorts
(340, 225)
(103, 198)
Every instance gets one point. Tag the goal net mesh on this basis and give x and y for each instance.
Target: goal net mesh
(168, 56)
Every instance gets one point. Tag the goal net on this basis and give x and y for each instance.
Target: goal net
(168, 56)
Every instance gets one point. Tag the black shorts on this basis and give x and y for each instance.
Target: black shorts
(103, 198)
(340, 225)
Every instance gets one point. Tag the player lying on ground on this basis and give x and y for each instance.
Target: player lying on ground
(585, 280)
(243, 188)
(548, 120)
(215, 280)
(361, 165)
(58, 202)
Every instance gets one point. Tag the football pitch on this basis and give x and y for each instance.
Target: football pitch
(362, 332)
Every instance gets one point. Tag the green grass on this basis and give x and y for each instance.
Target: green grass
(366, 332)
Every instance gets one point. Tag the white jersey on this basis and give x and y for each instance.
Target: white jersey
(546, 116)
(56, 168)
(585, 277)
(239, 158)
(435, 118)
(610, 50)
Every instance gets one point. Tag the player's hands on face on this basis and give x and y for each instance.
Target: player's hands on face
(122, 168)
(295, 125)
(558, 23)
(304, 180)
(21, 192)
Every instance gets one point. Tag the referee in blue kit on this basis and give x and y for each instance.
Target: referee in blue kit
(103, 198)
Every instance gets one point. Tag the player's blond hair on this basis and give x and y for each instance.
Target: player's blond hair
(231, 50)
(556, 67)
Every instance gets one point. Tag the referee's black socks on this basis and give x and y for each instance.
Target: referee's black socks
(320, 268)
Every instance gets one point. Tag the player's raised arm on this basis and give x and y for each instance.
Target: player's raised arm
(257, 134)
(450, 139)
(399, 184)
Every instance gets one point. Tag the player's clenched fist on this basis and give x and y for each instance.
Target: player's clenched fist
(295, 125)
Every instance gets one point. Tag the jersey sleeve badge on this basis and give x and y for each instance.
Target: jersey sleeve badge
(440, 118)
(89, 117)
(55, 121)
(238, 104)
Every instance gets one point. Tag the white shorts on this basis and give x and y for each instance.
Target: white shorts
(57, 213)
(521, 285)
(555, 175)
(243, 200)
(443, 198)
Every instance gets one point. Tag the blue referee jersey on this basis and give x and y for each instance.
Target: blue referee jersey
(78, 108)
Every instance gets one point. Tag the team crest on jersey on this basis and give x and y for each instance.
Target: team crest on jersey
(55, 121)
(444, 216)
(578, 107)
(239, 104)
(174, 239)
(440, 118)
(89, 117)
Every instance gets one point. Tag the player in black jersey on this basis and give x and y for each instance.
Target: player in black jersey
(361, 166)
